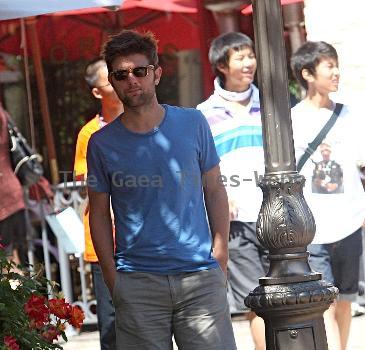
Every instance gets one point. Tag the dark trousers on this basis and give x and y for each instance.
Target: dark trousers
(247, 263)
(104, 309)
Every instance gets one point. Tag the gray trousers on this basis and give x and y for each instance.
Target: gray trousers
(192, 307)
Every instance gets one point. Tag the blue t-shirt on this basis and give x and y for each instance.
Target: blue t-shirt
(155, 183)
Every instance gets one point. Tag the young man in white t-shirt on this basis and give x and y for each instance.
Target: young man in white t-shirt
(333, 189)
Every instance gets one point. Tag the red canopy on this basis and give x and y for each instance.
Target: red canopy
(181, 6)
(248, 10)
(80, 34)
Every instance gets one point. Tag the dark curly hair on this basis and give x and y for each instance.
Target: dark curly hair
(129, 42)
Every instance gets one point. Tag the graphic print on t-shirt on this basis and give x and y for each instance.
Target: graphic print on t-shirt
(327, 175)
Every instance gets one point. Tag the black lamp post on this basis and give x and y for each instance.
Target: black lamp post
(291, 298)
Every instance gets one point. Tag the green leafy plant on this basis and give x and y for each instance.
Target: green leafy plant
(29, 317)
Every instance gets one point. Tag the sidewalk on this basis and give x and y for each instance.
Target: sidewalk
(90, 340)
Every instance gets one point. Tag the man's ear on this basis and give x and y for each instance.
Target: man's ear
(307, 76)
(96, 93)
(222, 68)
(110, 80)
(158, 73)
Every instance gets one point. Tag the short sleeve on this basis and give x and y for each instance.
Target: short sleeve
(208, 157)
(97, 177)
(80, 166)
(356, 125)
(359, 129)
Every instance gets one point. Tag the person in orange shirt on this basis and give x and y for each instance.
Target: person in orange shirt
(96, 76)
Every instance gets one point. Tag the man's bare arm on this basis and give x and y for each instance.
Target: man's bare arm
(102, 234)
(218, 214)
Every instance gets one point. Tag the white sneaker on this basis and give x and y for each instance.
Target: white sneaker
(357, 310)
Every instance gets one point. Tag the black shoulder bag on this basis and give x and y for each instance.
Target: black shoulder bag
(320, 137)
(25, 161)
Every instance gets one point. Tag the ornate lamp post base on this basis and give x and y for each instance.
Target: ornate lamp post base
(293, 313)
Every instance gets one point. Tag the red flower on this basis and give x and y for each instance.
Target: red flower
(11, 343)
(51, 333)
(77, 317)
(60, 308)
(33, 324)
(36, 309)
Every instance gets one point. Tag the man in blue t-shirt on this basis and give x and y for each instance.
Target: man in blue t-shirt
(158, 166)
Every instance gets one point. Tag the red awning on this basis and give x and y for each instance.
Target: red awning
(80, 34)
(180, 6)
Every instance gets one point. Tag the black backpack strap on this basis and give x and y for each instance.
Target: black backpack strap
(320, 137)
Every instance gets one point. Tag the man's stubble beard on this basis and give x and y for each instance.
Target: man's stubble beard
(144, 99)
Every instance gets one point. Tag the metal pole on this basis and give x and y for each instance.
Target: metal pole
(293, 21)
(29, 231)
(43, 99)
(204, 37)
(45, 245)
(83, 281)
(65, 275)
(291, 298)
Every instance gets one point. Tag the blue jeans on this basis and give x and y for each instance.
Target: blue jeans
(104, 309)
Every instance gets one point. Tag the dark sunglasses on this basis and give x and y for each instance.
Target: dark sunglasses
(139, 72)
